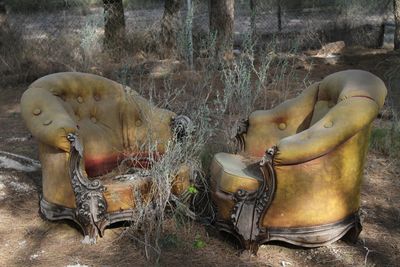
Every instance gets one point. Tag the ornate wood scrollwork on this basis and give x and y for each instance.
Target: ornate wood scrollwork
(91, 205)
(181, 126)
(250, 207)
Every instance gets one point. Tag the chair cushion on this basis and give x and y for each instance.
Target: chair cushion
(233, 172)
(124, 195)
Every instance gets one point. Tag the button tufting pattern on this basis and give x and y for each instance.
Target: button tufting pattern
(97, 97)
(37, 111)
(79, 99)
(328, 124)
(47, 122)
(282, 126)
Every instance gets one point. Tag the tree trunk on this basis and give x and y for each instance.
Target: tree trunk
(169, 28)
(396, 11)
(222, 14)
(4, 26)
(3, 15)
(253, 7)
(114, 24)
(279, 15)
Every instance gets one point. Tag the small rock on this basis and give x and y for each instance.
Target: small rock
(331, 49)
(285, 263)
(34, 256)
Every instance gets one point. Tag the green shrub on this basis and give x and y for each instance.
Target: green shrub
(198, 242)
(387, 140)
(170, 241)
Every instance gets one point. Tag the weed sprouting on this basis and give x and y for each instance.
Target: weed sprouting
(387, 140)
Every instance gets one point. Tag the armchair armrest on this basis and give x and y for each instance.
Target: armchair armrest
(341, 123)
(46, 118)
(182, 126)
(267, 127)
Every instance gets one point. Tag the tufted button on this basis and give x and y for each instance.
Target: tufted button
(328, 124)
(79, 99)
(282, 126)
(138, 123)
(37, 111)
(93, 119)
(55, 92)
(47, 122)
(97, 97)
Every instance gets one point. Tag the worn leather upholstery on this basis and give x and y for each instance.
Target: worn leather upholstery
(111, 124)
(321, 138)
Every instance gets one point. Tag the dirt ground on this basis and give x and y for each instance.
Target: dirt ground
(28, 240)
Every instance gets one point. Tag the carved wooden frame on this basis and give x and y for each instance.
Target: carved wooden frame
(91, 207)
(249, 208)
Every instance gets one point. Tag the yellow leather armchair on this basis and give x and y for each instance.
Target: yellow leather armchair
(305, 189)
(86, 125)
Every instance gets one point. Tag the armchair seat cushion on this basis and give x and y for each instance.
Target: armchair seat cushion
(136, 190)
(100, 164)
(231, 172)
(124, 195)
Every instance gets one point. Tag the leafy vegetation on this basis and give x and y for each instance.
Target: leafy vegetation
(387, 140)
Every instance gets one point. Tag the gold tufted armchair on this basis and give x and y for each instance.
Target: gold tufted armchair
(305, 189)
(86, 125)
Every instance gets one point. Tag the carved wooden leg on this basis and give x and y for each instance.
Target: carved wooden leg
(91, 232)
(353, 234)
(250, 207)
(91, 206)
(181, 126)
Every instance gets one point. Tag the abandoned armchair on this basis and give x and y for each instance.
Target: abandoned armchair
(305, 189)
(86, 125)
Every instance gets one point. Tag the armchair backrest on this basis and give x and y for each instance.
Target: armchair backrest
(85, 97)
(346, 103)
(346, 84)
(267, 127)
(111, 121)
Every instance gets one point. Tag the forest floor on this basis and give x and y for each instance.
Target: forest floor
(67, 41)
(28, 240)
